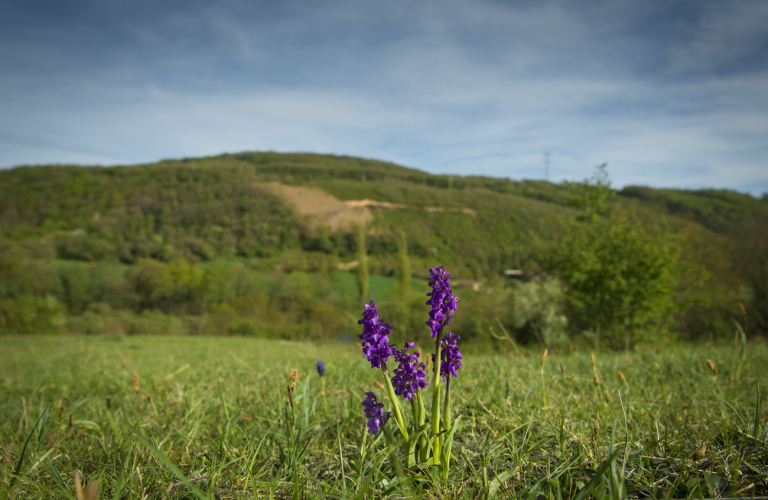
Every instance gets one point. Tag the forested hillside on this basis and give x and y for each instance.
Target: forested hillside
(217, 245)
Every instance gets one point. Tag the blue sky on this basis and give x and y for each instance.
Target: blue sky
(669, 93)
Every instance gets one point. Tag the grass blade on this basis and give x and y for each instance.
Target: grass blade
(586, 490)
(24, 450)
(171, 466)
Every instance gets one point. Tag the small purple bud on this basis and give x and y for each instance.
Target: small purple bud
(373, 413)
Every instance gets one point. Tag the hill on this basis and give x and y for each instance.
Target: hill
(271, 212)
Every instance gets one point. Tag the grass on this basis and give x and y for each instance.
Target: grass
(207, 417)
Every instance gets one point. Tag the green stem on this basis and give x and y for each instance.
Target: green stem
(423, 441)
(447, 425)
(422, 409)
(398, 466)
(325, 402)
(395, 404)
(362, 450)
(436, 383)
(447, 405)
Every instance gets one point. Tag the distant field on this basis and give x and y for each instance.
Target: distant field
(212, 409)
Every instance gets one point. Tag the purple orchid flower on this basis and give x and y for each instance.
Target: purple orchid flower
(375, 337)
(409, 375)
(442, 300)
(373, 413)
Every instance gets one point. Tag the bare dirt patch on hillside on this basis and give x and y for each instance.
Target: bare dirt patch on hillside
(320, 208)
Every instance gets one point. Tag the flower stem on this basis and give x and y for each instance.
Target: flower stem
(422, 408)
(424, 442)
(436, 400)
(395, 404)
(447, 425)
(325, 401)
(447, 405)
(362, 451)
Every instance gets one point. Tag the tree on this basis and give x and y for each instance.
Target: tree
(621, 277)
(362, 266)
(403, 264)
(537, 307)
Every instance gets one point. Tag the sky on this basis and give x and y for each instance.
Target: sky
(668, 93)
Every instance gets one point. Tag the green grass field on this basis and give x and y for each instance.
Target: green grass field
(208, 418)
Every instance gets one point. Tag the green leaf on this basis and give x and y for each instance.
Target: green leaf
(584, 492)
(493, 488)
(173, 468)
(24, 450)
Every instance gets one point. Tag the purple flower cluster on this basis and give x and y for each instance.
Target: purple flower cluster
(376, 348)
(409, 375)
(450, 354)
(442, 300)
(376, 418)
(320, 368)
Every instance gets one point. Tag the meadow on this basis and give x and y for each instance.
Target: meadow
(203, 417)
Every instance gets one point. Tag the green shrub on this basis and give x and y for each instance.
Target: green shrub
(538, 311)
(30, 315)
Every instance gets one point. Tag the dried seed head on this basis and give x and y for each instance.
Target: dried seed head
(607, 397)
(743, 309)
(596, 380)
(593, 358)
(136, 383)
(544, 357)
(621, 376)
(711, 366)
(378, 385)
(595, 431)
(294, 377)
